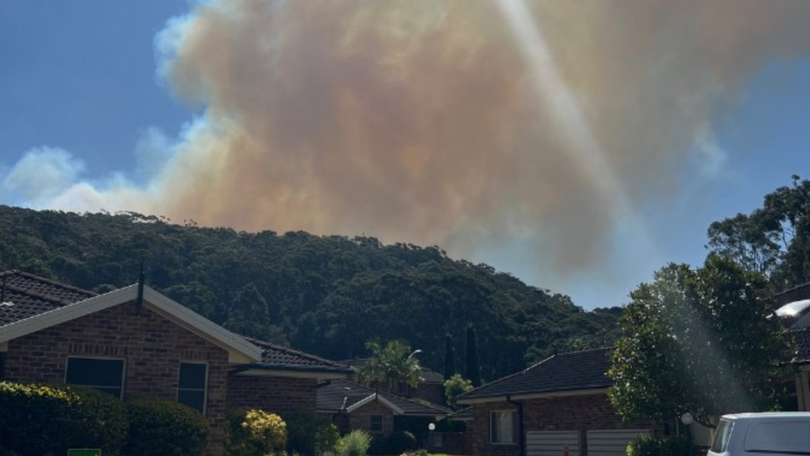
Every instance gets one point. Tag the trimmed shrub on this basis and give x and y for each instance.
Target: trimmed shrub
(166, 426)
(400, 442)
(310, 434)
(648, 445)
(355, 443)
(255, 433)
(46, 419)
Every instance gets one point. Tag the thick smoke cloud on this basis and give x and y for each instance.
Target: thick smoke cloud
(415, 121)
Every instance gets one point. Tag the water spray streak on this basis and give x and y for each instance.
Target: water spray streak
(554, 92)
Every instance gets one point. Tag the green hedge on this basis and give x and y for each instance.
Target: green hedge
(165, 427)
(46, 419)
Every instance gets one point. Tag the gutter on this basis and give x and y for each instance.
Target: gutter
(519, 405)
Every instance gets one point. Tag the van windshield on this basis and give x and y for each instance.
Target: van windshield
(720, 442)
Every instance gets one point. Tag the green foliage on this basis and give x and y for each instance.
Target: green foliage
(254, 432)
(310, 290)
(449, 357)
(399, 442)
(473, 366)
(174, 429)
(648, 445)
(45, 419)
(355, 443)
(701, 341)
(773, 239)
(454, 387)
(392, 365)
(310, 434)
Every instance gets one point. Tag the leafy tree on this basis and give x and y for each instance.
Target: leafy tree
(449, 357)
(700, 341)
(772, 239)
(392, 365)
(473, 368)
(454, 387)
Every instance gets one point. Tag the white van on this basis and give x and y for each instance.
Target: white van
(762, 434)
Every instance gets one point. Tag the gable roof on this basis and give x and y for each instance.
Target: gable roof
(346, 397)
(275, 357)
(565, 374)
(37, 303)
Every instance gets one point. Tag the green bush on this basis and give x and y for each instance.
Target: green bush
(355, 443)
(253, 432)
(400, 442)
(310, 434)
(648, 445)
(46, 419)
(165, 426)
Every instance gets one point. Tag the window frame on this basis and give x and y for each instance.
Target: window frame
(99, 358)
(512, 434)
(371, 423)
(204, 410)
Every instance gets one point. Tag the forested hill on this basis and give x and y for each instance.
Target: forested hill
(324, 294)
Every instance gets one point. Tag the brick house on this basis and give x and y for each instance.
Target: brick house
(380, 413)
(54, 332)
(558, 406)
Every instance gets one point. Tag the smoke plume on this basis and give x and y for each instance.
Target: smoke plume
(414, 120)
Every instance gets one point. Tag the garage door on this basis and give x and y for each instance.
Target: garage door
(611, 442)
(552, 443)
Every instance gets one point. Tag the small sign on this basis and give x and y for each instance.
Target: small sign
(84, 452)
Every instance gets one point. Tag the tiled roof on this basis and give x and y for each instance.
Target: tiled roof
(565, 372)
(26, 295)
(460, 415)
(278, 357)
(802, 338)
(794, 294)
(340, 395)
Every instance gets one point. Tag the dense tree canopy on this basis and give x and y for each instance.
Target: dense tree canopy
(702, 341)
(392, 365)
(774, 239)
(324, 294)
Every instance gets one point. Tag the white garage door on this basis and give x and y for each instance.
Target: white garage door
(552, 443)
(612, 442)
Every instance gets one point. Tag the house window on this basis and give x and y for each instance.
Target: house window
(503, 427)
(192, 385)
(376, 423)
(2, 365)
(103, 374)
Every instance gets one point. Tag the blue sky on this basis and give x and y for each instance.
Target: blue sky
(81, 77)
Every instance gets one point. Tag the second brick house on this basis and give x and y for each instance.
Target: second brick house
(556, 407)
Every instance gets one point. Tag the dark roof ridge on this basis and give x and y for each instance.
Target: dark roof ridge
(587, 350)
(13, 272)
(293, 351)
(503, 379)
(791, 289)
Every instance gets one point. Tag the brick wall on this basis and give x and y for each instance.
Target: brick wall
(151, 346)
(580, 413)
(361, 418)
(272, 394)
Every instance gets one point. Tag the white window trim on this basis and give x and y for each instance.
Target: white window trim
(382, 423)
(205, 385)
(491, 420)
(108, 358)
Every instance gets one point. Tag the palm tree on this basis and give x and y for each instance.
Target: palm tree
(393, 365)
